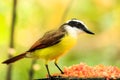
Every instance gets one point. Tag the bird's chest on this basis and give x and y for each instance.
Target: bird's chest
(62, 47)
(68, 42)
(56, 50)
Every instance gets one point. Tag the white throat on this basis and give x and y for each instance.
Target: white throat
(72, 31)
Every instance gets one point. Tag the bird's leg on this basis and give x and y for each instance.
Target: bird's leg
(58, 67)
(46, 65)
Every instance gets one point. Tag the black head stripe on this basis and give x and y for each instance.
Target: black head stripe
(72, 23)
(76, 24)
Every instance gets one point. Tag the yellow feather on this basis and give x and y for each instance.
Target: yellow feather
(55, 51)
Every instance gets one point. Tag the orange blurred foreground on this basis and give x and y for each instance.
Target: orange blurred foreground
(82, 70)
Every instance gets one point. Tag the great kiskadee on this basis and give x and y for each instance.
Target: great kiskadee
(54, 43)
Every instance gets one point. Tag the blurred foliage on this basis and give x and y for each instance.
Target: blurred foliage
(35, 17)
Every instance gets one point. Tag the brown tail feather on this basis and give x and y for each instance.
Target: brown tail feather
(11, 60)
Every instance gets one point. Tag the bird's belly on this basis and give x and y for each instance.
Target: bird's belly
(53, 52)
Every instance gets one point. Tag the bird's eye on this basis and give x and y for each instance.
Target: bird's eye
(72, 23)
(77, 23)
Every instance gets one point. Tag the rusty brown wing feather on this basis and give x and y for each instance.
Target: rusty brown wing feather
(49, 39)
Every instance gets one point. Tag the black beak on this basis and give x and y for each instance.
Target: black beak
(88, 31)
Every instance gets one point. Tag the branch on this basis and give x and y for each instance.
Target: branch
(31, 72)
(11, 46)
(66, 11)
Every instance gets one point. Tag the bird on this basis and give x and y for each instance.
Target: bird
(54, 43)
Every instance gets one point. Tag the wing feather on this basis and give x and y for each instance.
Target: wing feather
(50, 38)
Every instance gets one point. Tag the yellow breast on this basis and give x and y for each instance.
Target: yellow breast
(53, 52)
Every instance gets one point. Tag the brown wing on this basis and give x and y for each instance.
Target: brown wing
(49, 39)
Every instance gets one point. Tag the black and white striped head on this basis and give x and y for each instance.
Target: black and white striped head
(79, 26)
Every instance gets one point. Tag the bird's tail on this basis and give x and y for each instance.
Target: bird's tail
(11, 60)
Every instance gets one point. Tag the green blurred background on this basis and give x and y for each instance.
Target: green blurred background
(35, 17)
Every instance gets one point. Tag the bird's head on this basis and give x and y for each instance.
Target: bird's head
(78, 26)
